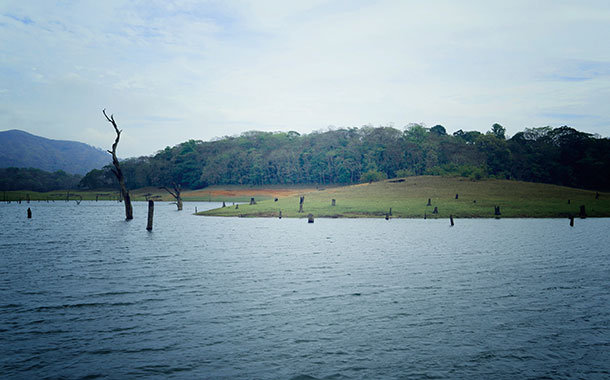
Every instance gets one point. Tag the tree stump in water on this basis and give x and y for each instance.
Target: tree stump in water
(310, 218)
(252, 201)
(387, 216)
(390, 211)
(301, 200)
(223, 204)
(29, 213)
(236, 206)
(280, 214)
(451, 220)
(583, 213)
(333, 203)
(497, 211)
(572, 221)
(425, 216)
(429, 202)
(456, 196)
(435, 210)
(151, 212)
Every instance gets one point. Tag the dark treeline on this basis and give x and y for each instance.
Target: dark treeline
(562, 156)
(36, 180)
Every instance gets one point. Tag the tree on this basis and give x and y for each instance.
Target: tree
(175, 194)
(117, 168)
(498, 131)
(438, 130)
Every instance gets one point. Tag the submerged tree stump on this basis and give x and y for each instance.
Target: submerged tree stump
(572, 221)
(280, 214)
(387, 216)
(29, 213)
(451, 220)
(583, 213)
(429, 202)
(310, 218)
(223, 204)
(497, 211)
(151, 212)
(252, 201)
(425, 216)
(237, 206)
(390, 211)
(435, 210)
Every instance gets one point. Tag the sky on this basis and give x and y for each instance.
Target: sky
(170, 71)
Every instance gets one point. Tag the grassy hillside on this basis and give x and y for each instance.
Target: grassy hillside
(408, 198)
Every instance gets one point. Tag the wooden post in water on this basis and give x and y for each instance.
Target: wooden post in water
(151, 211)
(390, 211)
(425, 216)
(583, 213)
(280, 214)
(451, 219)
(333, 203)
(387, 216)
(571, 220)
(435, 210)
(29, 213)
(310, 218)
(497, 211)
(223, 204)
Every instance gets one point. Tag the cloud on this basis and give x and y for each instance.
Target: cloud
(171, 71)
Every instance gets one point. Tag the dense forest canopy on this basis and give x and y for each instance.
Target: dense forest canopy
(562, 156)
(36, 179)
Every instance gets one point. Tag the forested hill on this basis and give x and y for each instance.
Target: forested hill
(23, 150)
(562, 156)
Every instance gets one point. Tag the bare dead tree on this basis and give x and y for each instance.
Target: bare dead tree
(117, 168)
(175, 194)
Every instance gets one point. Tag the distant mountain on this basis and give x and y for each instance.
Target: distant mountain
(24, 150)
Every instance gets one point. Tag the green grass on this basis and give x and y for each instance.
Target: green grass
(409, 198)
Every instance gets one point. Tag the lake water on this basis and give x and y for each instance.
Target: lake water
(85, 294)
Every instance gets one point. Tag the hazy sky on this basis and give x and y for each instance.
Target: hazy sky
(172, 71)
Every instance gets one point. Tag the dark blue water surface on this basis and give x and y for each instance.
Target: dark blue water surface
(85, 294)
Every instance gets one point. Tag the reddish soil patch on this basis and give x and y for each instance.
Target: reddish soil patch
(246, 192)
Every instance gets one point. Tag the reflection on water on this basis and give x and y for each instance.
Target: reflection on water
(85, 294)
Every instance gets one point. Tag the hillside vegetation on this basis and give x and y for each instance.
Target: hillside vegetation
(408, 198)
(23, 150)
(562, 156)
